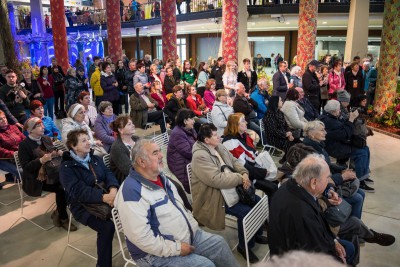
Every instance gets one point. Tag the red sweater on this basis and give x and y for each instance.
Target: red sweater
(10, 137)
(46, 89)
(194, 105)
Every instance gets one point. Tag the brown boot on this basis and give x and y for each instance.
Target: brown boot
(56, 219)
(65, 223)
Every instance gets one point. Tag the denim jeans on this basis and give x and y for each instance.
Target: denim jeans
(210, 250)
(356, 202)
(49, 107)
(350, 250)
(240, 211)
(361, 157)
(9, 167)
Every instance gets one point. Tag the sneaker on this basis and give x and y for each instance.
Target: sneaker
(261, 240)
(252, 257)
(369, 180)
(65, 224)
(56, 219)
(366, 188)
(381, 239)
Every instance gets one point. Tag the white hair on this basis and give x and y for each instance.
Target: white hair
(332, 106)
(312, 126)
(310, 167)
(295, 70)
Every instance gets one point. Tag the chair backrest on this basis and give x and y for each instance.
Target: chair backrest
(60, 146)
(254, 220)
(189, 173)
(209, 118)
(106, 160)
(120, 230)
(161, 140)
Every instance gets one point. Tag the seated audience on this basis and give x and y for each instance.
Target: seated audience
(221, 111)
(310, 113)
(295, 220)
(181, 140)
(175, 103)
(143, 108)
(158, 95)
(277, 131)
(50, 128)
(195, 103)
(159, 230)
(261, 96)
(79, 171)
(294, 113)
(102, 128)
(10, 137)
(241, 146)
(214, 168)
(337, 141)
(10, 118)
(209, 93)
(76, 121)
(90, 111)
(34, 152)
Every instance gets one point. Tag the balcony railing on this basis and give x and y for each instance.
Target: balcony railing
(152, 10)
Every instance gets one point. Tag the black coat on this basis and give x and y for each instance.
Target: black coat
(169, 83)
(216, 74)
(280, 85)
(296, 222)
(338, 135)
(276, 128)
(311, 87)
(172, 108)
(245, 106)
(354, 85)
(248, 82)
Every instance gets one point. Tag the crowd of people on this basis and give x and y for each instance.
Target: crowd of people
(310, 116)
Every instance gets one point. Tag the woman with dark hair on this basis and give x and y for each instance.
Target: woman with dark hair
(195, 103)
(34, 152)
(277, 130)
(209, 93)
(175, 103)
(336, 79)
(239, 143)
(46, 83)
(354, 82)
(80, 171)
(189, 74)
(179, 152)
(294, 113)
(102, 128)
(110, 87)
(122, 88)
(202, 78)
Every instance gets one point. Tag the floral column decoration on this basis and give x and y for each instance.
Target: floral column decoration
(230, 25)
(307, 34)
(389, 59)
(114, 30)
(60, 34)
(168, 26)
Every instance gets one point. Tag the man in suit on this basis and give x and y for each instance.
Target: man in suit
(280, 81)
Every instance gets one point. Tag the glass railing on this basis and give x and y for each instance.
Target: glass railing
(152, 10)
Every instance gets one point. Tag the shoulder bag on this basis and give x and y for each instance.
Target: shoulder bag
(336, 215)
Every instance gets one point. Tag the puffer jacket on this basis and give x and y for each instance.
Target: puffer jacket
(207, 182)
(140, 77)
(104, 132)
(107, 84)
(219, 116)
(262, 99)
(179, 153)
(155, 220)
(78, 183)
(95, 83)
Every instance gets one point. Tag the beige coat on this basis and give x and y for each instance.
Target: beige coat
(207, 180)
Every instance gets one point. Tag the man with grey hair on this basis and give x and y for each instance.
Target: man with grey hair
(296, 222)
(159, 230)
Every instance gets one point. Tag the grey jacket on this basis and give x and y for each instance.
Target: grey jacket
(219, 115)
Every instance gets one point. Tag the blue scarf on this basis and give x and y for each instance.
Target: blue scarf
(84, 162)
(108, 120)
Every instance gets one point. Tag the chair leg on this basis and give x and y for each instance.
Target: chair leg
(73, 247)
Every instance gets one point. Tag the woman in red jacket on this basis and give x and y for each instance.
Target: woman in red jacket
(46, 83)
(10, 137)
(195, 103)
(158, 95)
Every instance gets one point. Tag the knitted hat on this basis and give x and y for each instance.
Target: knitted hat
(343, 96)
(31, 123)
(35, 104)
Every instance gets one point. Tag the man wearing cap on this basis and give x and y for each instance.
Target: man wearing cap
(344, 98)
(311, 87)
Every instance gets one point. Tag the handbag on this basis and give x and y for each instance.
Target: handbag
(336, 215)
(101, 210)
(248, 196)
(358, 141)
(265, 161)
(348, 188)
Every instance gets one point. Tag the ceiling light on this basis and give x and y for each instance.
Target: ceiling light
(324, 22)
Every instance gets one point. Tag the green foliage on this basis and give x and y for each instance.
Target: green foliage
(391, 117)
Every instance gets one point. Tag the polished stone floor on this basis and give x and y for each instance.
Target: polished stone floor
(23, 244)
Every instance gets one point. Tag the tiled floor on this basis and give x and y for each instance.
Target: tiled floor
(26, 245)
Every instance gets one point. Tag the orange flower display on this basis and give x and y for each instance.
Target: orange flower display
(230, 25)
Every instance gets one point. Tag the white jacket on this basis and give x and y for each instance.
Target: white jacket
(219, 116)
(294, 115)
(69, 124)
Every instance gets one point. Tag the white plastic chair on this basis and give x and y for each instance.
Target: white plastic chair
(150, 125)
(253, 221)
(18, 182)
(161, 140)
(209, 118)
(120, 230)
(106, 160)
(69, 244)
(21, 192)
(270, 149)
(60, 146)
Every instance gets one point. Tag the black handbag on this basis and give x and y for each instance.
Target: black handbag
(358, 141)
(336, 215)
(348, 188)
(101, 210)
(248, 196)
